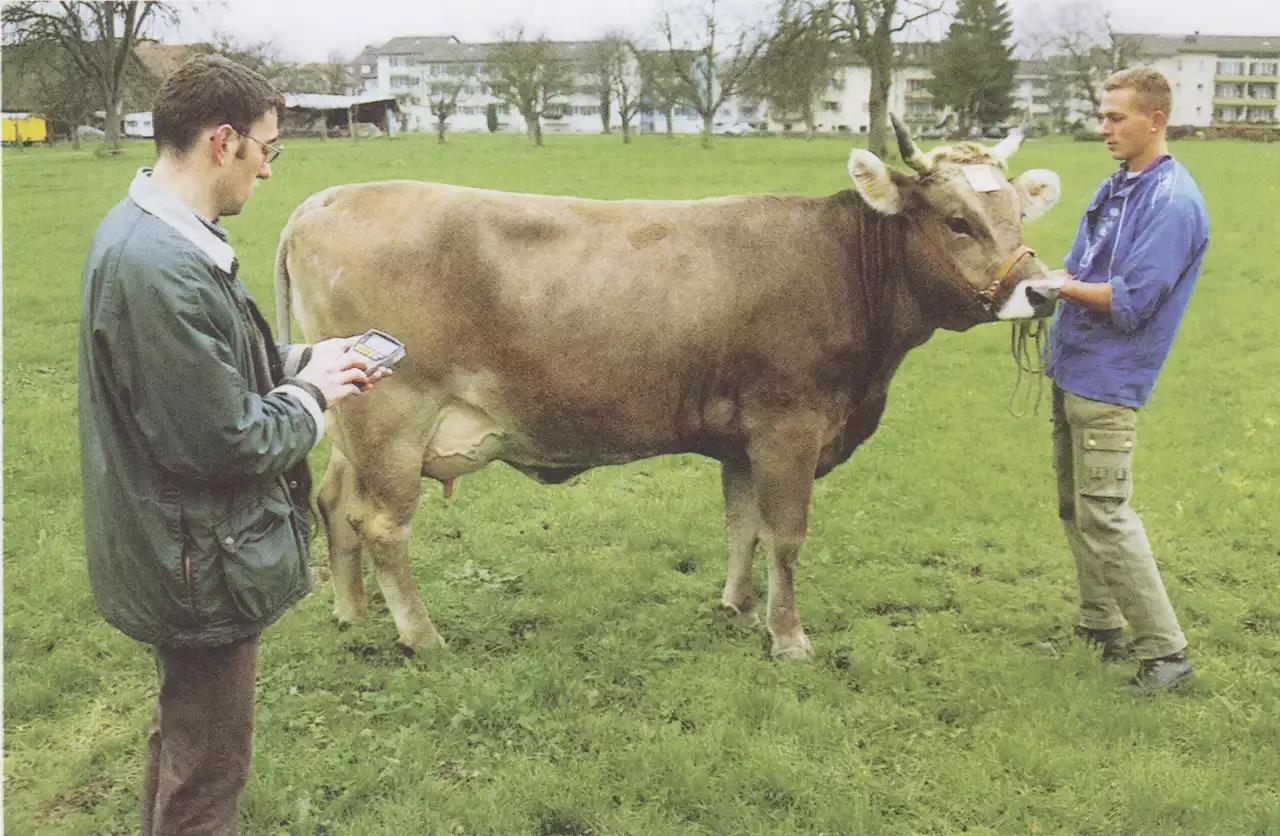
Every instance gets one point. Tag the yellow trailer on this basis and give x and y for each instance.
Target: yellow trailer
(30, 127)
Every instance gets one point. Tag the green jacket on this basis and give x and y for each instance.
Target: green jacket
(193, 454)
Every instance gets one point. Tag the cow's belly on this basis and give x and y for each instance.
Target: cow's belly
(467, 436)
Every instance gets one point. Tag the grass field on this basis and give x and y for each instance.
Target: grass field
(590, 685)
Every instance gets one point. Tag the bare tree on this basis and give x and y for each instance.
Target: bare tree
(868, 28)
(338, 76)
(660, 83)
(717, 71)
(98, 38)
(627, 84)
(37, 77)
(1079, 36)
(442, 99)
(797, 62)
(527, 75)
(606, 59)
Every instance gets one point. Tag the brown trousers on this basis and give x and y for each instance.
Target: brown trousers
(201, 741)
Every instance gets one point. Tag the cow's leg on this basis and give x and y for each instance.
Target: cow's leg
(387, 485)
(742, 524)
(333, 499)
(783, 459)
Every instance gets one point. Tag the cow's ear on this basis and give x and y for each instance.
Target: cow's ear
(880, 186)
(1038, 189)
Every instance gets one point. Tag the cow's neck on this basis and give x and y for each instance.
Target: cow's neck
(885, 290)
(881, 290)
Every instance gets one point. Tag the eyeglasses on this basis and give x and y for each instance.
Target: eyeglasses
(273, 151)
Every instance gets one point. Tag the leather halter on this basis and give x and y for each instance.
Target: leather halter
(987, 296)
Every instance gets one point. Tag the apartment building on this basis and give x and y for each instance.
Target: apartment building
(1216, 79)
(425, 67)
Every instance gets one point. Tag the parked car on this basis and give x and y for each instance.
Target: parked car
(90, 130)
(732, 128)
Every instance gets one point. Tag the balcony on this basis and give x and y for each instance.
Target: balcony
(920, 95)
(1241, 78)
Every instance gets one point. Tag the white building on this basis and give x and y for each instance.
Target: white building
(418, 69)
(138, 124)
(1216, 79)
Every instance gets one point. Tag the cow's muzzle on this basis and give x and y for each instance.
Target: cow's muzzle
(1032, 299)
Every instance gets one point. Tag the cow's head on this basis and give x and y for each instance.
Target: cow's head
(964, 226)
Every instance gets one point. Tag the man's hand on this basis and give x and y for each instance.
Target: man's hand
(337, 371)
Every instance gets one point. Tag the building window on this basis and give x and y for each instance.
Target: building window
(1263, 68)
(831, 107)
(1231, 67)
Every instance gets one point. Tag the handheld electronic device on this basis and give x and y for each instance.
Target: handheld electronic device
(379, 350)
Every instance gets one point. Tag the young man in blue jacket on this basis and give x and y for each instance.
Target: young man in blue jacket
(1128, 277)
(194, 431)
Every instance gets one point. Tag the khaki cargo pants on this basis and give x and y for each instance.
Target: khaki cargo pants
(1093, 446)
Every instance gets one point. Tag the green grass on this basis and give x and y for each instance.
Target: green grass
(590, 685)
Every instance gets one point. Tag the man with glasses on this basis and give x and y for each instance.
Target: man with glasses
(194, 431)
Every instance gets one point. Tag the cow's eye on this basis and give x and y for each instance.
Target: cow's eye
(960, 227)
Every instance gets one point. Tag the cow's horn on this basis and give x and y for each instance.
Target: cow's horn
(1004, 149)
(911, 153)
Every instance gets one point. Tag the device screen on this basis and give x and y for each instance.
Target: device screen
(381, 346)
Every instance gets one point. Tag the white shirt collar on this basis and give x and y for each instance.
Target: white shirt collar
(159, 203)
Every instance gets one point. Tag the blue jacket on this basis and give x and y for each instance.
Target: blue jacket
(1146, 235)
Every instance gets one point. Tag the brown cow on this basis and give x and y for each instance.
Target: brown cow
(557, 334)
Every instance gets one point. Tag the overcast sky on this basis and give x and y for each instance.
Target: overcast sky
(308, 30)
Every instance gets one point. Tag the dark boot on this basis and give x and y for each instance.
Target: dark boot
(1110, 641)
(1164, 674)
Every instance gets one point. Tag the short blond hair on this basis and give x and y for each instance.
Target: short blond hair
(1151, 87)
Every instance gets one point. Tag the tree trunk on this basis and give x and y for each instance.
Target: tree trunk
(537, 131)
(708, 123)
(626, 131)
(878, 105)
(351, 122)
(441, 127)
(111, 126)
(671, 122)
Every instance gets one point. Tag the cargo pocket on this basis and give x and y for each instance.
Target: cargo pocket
(1106, 462)
(259, 556)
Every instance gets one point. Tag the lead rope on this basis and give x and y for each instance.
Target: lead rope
(1025, 334)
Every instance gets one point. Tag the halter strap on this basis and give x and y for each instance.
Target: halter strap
(987, 296)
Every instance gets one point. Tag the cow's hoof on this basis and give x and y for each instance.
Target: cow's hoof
(745, 619)
(346, 618)
(428, 640)
(795, 648)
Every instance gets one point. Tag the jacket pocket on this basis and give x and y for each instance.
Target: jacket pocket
(1106, 464)
(260, 559)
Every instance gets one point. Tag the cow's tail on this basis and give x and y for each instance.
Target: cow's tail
(284, 294)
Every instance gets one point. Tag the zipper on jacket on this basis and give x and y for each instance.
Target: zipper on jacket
(1115, 245)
